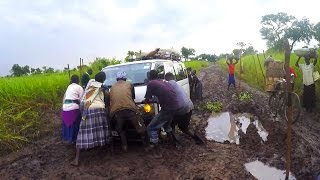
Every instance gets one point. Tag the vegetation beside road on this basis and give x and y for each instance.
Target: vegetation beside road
(25, 101)
(253, 75)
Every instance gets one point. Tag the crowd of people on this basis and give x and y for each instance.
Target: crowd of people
(91, 111)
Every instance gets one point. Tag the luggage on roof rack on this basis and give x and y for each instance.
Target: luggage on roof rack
(167, 54)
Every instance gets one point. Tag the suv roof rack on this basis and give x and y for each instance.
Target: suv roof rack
(165, 54)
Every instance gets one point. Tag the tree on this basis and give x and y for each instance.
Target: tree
(186, 52)
(274, 27)
(49, 70)
(299, 31)
(316, 32)
(237, 52)
(33, 70)
(249, 51)
(17, 70)
(26, 69)
(38, 71)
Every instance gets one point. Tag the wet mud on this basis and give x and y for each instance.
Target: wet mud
(49, 157)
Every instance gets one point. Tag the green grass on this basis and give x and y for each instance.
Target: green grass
(23, 101)
(253, 75)
(196, 65)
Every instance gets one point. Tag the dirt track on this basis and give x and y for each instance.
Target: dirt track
(48, 158)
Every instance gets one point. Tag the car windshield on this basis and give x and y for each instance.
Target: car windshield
(136, 73)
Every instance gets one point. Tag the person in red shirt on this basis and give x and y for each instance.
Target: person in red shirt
(231, 66)
(293, 76)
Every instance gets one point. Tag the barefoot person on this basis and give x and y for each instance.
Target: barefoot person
(231, 66)
(70, 110)
(309, 92)
(94, 127)
(183, 115)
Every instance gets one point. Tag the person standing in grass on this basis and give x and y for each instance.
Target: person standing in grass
(309, 89)
(94, 128)
(85, 78)
(70, 110)
(231, 66)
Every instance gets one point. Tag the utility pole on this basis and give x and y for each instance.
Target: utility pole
(69, 71)
(80, 68)
(289, 105)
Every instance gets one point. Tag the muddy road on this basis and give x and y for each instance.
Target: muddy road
(49, 158)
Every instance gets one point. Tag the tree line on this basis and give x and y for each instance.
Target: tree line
(276, 27)
(18, 70)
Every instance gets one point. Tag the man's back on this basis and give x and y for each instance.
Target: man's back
(164, 92)
(121, 97)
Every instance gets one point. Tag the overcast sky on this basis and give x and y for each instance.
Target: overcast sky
(58, 32)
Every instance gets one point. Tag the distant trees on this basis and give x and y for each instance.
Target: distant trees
(101, 62)
(317, 32)
(207, 57)
(276, 27)
(18, 70)
(187, 52)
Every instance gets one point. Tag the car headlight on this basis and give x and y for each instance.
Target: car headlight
(147, 108)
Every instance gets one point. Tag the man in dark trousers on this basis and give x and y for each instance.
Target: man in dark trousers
(167, 99)
(183, 115)
(85, 78)
(124, 109)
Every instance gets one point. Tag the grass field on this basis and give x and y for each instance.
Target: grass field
(253, 74)
(25, 100)
(196, 65)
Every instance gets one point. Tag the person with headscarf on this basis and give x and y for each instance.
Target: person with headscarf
(71, 115)
(123, 108)
(94, 128)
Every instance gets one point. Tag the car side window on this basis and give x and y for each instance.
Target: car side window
(180, 72)
(169, 69)
(159, 67)
(183, 72)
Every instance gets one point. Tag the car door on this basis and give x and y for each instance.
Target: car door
(181, 76)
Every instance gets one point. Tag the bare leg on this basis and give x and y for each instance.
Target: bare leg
(75, 162)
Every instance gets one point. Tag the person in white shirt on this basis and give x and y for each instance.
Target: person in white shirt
(94, 129)
(71, 116)
(309, 90)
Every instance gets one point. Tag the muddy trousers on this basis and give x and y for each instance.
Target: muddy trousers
(121, 117)
(162, 119)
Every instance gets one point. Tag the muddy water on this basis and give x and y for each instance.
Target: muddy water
(220, 128)
(225, 126)
(263, 172)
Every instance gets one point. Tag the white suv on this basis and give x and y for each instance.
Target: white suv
(137, 74)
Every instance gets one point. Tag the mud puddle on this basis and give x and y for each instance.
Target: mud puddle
(225, 126)
(262, 171)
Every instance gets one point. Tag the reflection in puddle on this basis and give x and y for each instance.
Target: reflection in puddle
(263, 172)
(219, 128)
(261, 131)
(225, 126)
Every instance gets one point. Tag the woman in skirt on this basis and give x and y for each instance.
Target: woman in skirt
(70, 110)
(94, 127)
(309, 90)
